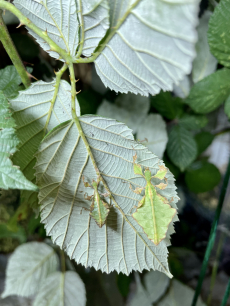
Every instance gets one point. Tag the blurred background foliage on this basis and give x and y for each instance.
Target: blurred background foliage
(194, 146)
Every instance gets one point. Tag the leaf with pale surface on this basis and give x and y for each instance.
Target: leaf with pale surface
(153, 128)
(135, 57)
(61, 289)
(28, 267)
(120, 244)
(205, 63)
(130, 109)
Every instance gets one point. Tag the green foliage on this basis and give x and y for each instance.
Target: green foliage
(203, 141)
(193, 122)
(10, 175)
(218, 33)
(202, 176)
(209, 93)
(227, 107)
(9, 81)
(168, 106)
(181, 148)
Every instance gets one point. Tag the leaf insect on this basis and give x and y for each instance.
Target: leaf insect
(153, 213)
(99, 209)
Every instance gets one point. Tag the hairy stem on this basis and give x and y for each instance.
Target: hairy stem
(13, 53)
(58, 80)
(62, 258)
(25, 21)
(212, 236)
(108, 38)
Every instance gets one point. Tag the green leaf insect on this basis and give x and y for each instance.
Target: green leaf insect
(99, 209)
(153, 213)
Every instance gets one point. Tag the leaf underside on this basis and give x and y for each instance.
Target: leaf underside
(28, 267)
(120, 244)
(138, 61)
(61, 289)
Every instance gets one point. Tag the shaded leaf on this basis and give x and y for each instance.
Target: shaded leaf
(218, 33)
(120, 244)
(202, 177)
(130, 109)
(10, 175)
(56, 18)
(203, 141)
(155, 285)
(205, 63)
(150, 45)
(6, 120)
(182, 89)
(206, 95)
(9, 80)
(178, 295)
(20, 234)
(227, 107)
(193, 122)
(61, 289)
(153, 129)
(28, 267)
(181, 148)
(167, 105)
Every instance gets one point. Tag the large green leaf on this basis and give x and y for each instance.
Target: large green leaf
(167, 105)
(218, 33)
(150, 45)
(56, 18)
(193, 122)
(28, 267)
(120, 244)
(61, 289)
(203, 141)
(206, 95)
(205, 63)
(202, 177)
(181, 148)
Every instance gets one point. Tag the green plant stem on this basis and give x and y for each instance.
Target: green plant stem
(212, 235)
(12, 52)
(25, 21)
(215, 266)
(57, 85)
(226, 295)
(62, 259)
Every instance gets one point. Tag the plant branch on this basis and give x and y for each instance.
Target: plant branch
(108, 38)
(57, 85)
(25, 21)
(226, 295)
(212, 235)
(13, 53)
